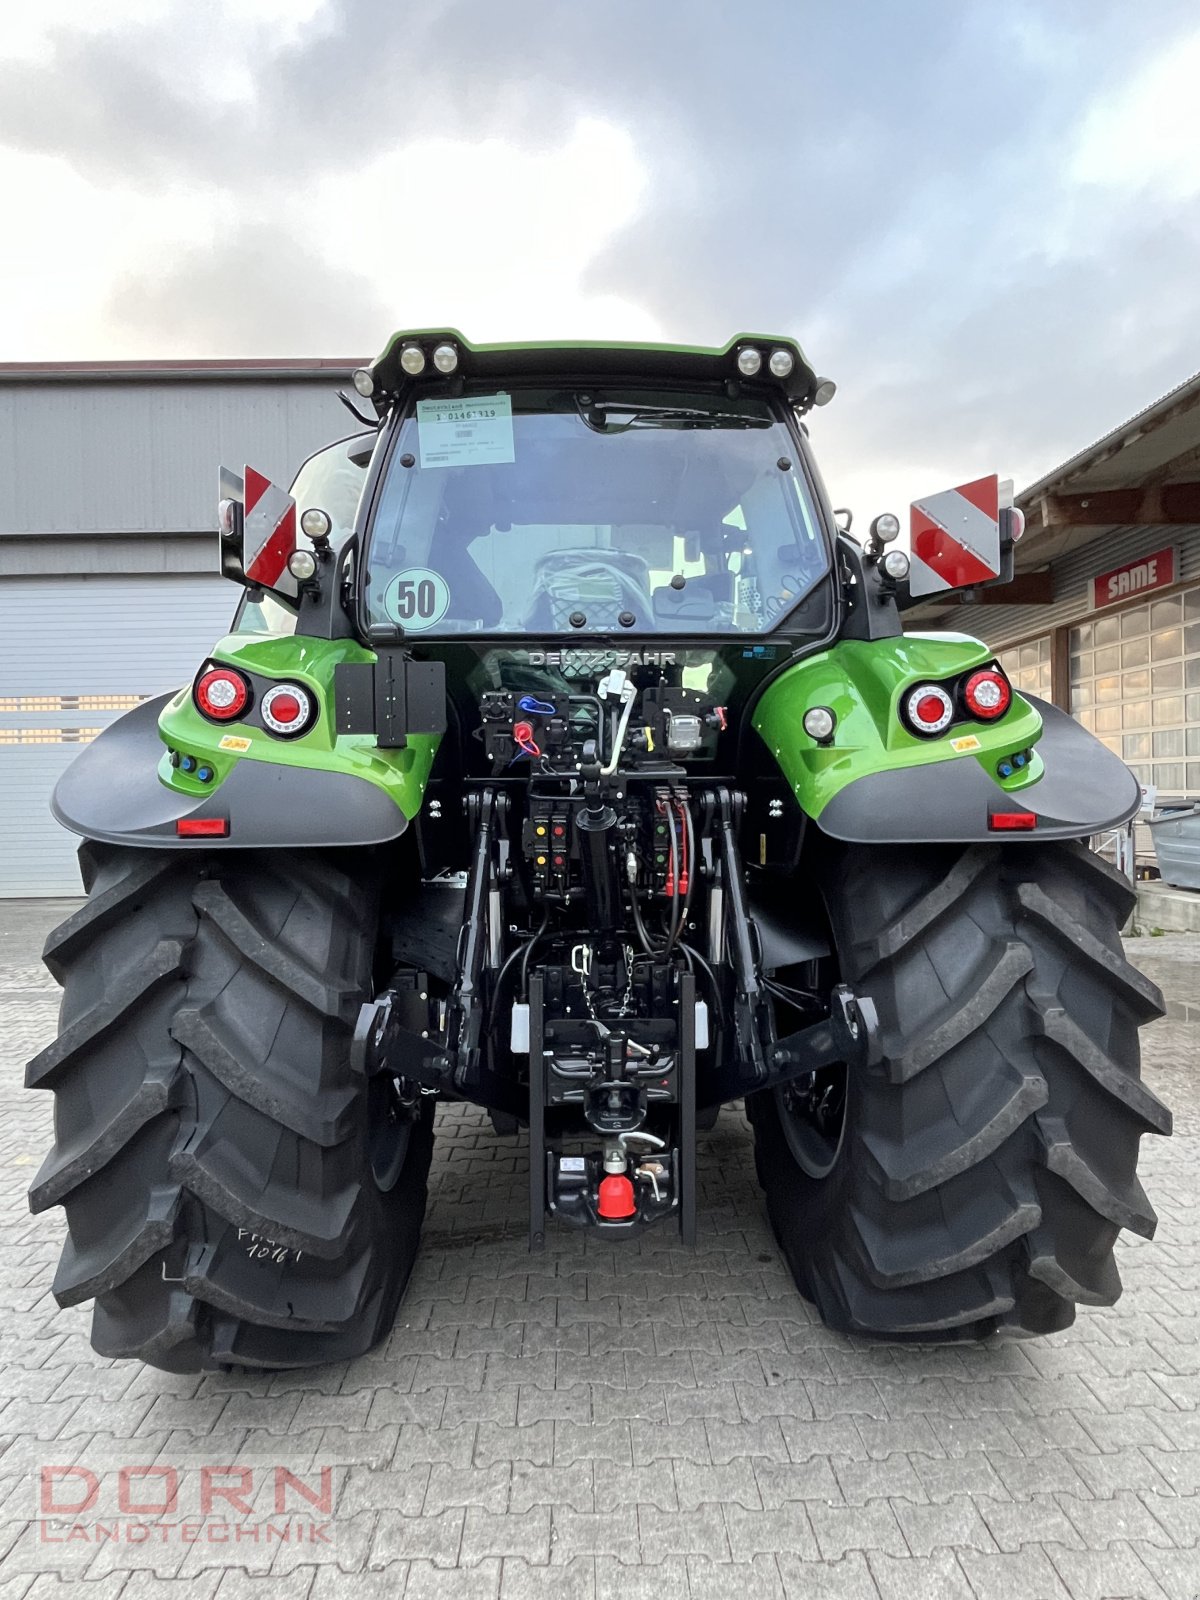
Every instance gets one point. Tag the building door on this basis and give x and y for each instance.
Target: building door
(1135, 682)
(74, 654)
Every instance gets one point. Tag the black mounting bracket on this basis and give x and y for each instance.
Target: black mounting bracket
(390, 697)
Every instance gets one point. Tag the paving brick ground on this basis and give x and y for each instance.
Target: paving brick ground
(626, 1422)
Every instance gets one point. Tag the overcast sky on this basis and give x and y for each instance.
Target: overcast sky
(980, 217)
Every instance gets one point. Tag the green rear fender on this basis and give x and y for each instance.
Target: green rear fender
(401, 774)
(155, 773)
(877, 782)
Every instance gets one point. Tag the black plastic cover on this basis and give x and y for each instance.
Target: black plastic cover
(1085, 789)
(112, 792)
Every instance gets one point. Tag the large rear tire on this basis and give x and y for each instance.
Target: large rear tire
(236, 1195)
(986, 1165)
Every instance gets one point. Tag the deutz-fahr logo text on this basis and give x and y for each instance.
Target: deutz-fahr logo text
(586, 663)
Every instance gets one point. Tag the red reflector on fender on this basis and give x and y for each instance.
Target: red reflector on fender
(202, 827)
(1012, 821)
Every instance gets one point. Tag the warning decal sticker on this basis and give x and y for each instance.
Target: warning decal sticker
(475, 432)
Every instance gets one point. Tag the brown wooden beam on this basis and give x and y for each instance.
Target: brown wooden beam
(1026, 589)
(1160, 505)
(1060, 668)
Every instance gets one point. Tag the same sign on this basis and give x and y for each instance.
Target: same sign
(1156, 571)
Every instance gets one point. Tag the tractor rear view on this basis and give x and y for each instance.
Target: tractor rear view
(574, 764)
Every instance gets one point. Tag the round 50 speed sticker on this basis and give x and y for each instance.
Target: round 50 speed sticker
(417, 598)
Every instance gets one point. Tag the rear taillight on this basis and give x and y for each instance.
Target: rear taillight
(287, 709)
(202, 827)
(1012, 821)
(221, 694)
(928, 709)
(987, 694)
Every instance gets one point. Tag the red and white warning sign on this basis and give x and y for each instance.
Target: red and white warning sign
(955, 537)
(270, 533)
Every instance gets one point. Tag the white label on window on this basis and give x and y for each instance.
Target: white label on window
(474, 432)
(417, 598)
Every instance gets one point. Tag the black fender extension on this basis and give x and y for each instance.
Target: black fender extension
(1084, 790)
(111, 792)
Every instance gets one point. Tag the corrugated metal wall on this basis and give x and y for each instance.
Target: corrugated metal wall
(118, 457)
(1000, 625)
(74, 654)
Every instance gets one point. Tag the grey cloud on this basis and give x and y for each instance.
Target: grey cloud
(255, 292)
(883, 173)
(1038, 367)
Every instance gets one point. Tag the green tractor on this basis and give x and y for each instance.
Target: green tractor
(575, 765)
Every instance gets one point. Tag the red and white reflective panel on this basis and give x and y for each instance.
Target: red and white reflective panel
(987, 694)
(929, 708)
(286, 709)
(221, 693)
(269, 534)
(955, 537)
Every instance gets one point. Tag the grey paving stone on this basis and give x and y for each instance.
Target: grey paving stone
(571, 1487)
(1173, 1570)
(495, 1442)
(593, 1533)
(615, 1580)
(734, 1483)
(638, 1420)
(429, 1580)
(489, 1534)
(450, 1486)
(1025, 1476)
(1110, 1474)
(754, 1533)
(1099, 1523)
(1101, 1574)
(684, 1533)
(1029, 1574)
(711, 1580)
(732, 1441)
(1041, 1519)
(575, 1580)
(946, 1526)
(579, 1441)
(848, 1579)
(893, 1478)
(437, 1538)
(933, 1577)
(839, 1529)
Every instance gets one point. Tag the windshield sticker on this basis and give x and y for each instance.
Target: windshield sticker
(417, 598)
(465, 433)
